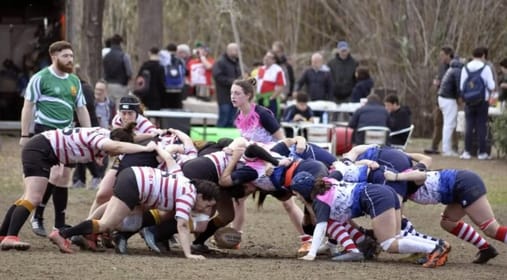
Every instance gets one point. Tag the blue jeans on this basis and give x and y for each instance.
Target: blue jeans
(226, 114)
(476, 118)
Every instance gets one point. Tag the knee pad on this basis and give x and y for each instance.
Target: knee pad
(387, 244)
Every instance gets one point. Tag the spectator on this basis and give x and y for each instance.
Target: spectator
(476, 115)
(445, 56)
(225, 71)
(117, 70)
(299, 111)
(156, 91)
(448, 94)
(371, 114)
(104, 107)
(174, 77)
(317, 80)
(363, 86)
(200, 69)
(107, 47)
(502, 96)
(270, 83)
(184, 53)
(281, 59)
(400, 117)
(343, 68)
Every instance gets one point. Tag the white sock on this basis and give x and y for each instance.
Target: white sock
(413, 244)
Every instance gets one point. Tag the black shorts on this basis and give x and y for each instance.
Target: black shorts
(38, 157)
(38, 128)
(376, 199)
(200, 168)
(468, 188)
(125, 188)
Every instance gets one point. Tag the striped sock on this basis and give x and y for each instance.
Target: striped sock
(501, 234)
(338, 232)
(408, 228)
(467, 233)
(354, 233)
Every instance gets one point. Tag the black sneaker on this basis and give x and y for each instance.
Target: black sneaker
(38, 227)
(120, 243)
(483, 256)
(431, 152)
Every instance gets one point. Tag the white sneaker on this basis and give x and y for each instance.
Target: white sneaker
(465, 155)
(94, 184)
(483, 156)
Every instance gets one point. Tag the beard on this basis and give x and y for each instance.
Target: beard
(67, 68)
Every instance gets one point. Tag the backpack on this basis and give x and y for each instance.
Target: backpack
(174, 75)
(474, 88)
(142, 84)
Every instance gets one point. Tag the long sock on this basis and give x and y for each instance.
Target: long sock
(356, 235)
(83, 228)
(19, 216)
(466, 232)
(501, 234)
(166, 230)
(60, 198)
(7, 220)
(210, 230)
(414, 244)
(338, 232)
(39, 211)
(408, 228)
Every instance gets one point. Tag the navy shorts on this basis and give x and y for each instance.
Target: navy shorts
(376, 199)
(38, 157)
(311, 152)
(468, 188)
(125, 188)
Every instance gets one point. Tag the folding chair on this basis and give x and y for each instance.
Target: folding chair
(408, 130)
(323, 135)
(374, 134)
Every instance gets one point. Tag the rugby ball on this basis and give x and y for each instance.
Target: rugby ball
(227, 238)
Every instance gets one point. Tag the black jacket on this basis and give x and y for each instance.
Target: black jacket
(318, 84)
(361, 90)
(371, 114)
(449, 85)
(115, 70)
(400, 119)
(225, 71)
(343, 76)
(157, 84)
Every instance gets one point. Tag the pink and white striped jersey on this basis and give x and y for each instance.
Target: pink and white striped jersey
(143, 124)
(77, 145)
(165, 191)
(220, 160)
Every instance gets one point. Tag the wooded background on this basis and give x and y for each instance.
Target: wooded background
(399, 40)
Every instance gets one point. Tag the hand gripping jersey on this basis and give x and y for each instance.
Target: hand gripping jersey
(220, 161)
(437, 188)
(165, 191)
(77, 145)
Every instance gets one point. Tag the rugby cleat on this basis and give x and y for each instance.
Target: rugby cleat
(62, 243)
(13, 242)
(483, 256)
(348, 256)
(438, 257)
(38, 226)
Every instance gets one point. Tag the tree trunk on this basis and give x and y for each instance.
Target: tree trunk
(91, 41)
(150, 28)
